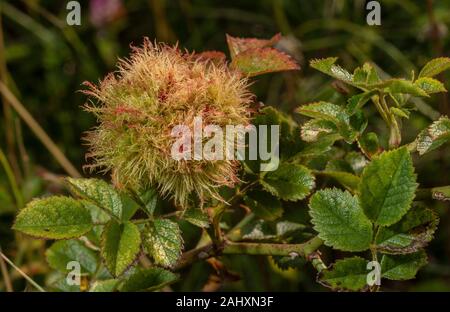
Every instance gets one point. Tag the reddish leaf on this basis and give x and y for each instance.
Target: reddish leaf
(215, 57)
(259, 61)
(239, 45)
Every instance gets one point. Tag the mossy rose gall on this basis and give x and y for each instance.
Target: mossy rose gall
(157, 88)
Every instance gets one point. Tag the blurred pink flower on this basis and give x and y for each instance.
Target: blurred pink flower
(102, 12)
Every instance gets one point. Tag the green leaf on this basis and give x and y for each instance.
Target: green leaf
(340, 221)
(360, 76)
(434, 136)
(197, 217)
(314, 129)
(398, 85)
(402, 267)
(372, 76)
(270, 230)
(441, 193)
(435, 67)
(148, 280)
(258, 61)
(327, 66)
(150, 199)
(401, 112)
(338, 165)
(388, 186)
(346, 274)
(55, 217)
(289, 182)
(99, 192)
(398, 99)
(129, 207)
(357, 102)
(414, 231)
(324, 110)
(289, 141)
(288, 262)
(348, 180)
(271, 116)
(318, 148)
(65, 251)
(264, 205)
(331, 113)
(163, 241)
(120, 246)
(58, 282)
(358, 123)
(99, 217)
(109, 285)
(239, 45)
(365, 75)
(430, 85)
(369, 144)
(357, 161)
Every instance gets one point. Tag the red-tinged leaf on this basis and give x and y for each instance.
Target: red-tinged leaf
(239, 45)
(260, 61)
(215, 57)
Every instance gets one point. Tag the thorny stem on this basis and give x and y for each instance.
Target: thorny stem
(376, 100)
(141, 221)
(217, 212)
(214, 231)
(395, 137)
(384, 104)
(303, 250)
(229, 244)
(306, 250)
(316, 261)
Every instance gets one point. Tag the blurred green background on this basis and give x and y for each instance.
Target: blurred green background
(44, 61)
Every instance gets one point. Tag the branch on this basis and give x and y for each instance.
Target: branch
(439, 193)
(306, 250)
(303, 250)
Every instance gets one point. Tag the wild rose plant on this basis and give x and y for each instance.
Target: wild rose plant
(362, 194)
